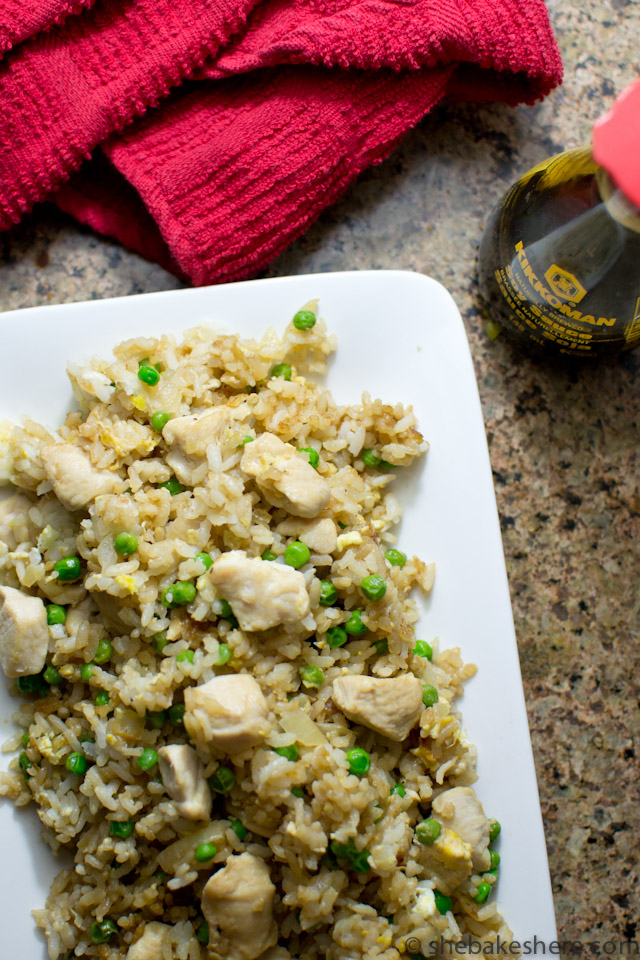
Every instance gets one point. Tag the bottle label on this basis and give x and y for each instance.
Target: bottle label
(548, 308)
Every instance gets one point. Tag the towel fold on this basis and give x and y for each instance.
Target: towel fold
(208, 134)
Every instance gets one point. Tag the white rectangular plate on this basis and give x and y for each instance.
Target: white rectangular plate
(400, 337)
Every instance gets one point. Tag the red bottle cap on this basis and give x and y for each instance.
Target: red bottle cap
(616, 142)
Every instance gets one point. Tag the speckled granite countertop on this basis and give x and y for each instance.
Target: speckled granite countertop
(564, 445)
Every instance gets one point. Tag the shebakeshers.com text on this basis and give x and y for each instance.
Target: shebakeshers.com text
(413, 947)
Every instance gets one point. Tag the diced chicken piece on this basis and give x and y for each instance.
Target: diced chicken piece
(448, 860)
(229, 713)
(184, 780)
(24, 635)
(285, 479)
(190, 436)
(193, 434)
(390, 706)
(461, 811)
(320, 535)
(76, 483)
(237, 903)
(149, 946)
(261, 593)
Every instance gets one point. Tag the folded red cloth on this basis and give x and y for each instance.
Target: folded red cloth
(281, 105)
(19, 20)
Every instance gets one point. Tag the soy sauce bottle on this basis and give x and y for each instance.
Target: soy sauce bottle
(559, 262)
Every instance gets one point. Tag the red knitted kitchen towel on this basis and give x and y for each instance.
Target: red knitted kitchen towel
(283, 107)
(20, 19)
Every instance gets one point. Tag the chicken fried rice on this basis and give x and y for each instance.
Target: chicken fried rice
(227, 717)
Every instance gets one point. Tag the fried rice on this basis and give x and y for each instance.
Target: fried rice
(348, 875)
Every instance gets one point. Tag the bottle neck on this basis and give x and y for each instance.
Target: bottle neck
(617, 204)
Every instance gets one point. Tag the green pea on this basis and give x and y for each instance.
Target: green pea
(328, 594)
(147, 759)
(304, 320)
(354, 624)
(281, 370)
(396, 558)
(495, 859)
(104, 651)
(159, 641)
(373, 587)
(297, 792)
(336, 636)
(204, 559)
(482, 894)
(23, 762)
(202, 932)
(32, 683)
(148, 374)
(313, 455)
(369, 458)
(359, 761)
(382, 646)
(179, 594)
(173, 485)
(121, 829)
(269, 555)
(428, 831)
(312, 676)
(296, 554)
(176, 714)
(494, 830)
(159, 420)
(385, 465)
(291, 753)
(227, 614)
(103, 931)
(224, 654)
(68, 569)
(360, 862)
(346, 851)
(77, 764)
(52, 676)
(223, 780)
(86, 737)
(239, 829)
(423, 649)
(246, 439)
(206, 851)
(24, 739)
(156, 718)
(186, 656)
(443, 903)
(160, 876)
(86, 671)
(429, 695)
(125, 543)
(102, 698)
(397, 791)
(225, 610)
(55, 614)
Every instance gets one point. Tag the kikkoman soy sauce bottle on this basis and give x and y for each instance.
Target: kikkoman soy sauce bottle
(559, 262)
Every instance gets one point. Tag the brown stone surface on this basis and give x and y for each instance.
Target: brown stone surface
(564, 445)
